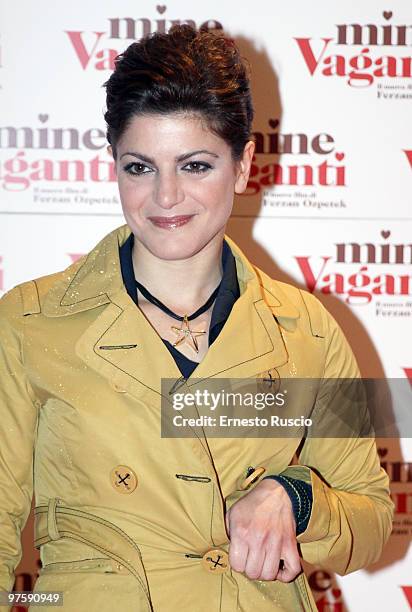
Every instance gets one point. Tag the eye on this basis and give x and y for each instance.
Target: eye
(135, 168)
(198, 167)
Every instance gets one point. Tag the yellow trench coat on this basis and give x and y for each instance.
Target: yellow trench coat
(80, 370)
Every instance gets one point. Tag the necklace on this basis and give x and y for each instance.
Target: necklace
(184, 332)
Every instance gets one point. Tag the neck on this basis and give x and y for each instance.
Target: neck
(183, 284)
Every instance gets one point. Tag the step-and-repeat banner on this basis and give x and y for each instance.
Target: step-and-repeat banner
(328, 206)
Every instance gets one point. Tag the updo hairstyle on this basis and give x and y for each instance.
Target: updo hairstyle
(184, 70)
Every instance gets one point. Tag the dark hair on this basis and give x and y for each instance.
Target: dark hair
(185, 70)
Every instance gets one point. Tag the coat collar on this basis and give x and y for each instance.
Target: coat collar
(90, 281)
(93, 279)
(120, 344)
(264, 287)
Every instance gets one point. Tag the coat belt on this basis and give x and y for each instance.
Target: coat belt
(54, 521)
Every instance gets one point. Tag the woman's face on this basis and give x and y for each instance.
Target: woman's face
(177, 182)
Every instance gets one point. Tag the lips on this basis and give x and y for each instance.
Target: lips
(170, 222)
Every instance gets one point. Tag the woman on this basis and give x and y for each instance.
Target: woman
(126, 519)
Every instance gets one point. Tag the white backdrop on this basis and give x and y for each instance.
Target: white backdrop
(332, 173)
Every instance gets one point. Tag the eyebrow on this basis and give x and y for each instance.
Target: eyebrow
(149, 160)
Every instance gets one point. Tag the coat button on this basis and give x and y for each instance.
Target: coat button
(123, 479)
(269, 380)
(252, 477)
(216, 561)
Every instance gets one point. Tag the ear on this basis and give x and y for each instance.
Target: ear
(244, 166)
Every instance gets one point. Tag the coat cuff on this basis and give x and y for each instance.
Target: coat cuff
(320, 515)
(300, 495)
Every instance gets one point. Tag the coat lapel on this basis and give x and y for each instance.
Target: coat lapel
(119, 343)
(251, 340)
(122, 345)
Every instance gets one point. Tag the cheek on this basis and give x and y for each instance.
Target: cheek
(216, 195)
(131, 197)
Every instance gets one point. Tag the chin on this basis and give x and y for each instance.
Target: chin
(175, 249)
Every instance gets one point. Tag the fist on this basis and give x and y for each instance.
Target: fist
(262, 531)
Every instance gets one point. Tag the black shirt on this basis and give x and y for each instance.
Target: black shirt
(227, 295)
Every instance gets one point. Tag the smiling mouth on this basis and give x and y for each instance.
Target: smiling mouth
(170, 222)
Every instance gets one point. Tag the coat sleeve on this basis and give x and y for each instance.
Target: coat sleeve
(352, 512)
(18, 426)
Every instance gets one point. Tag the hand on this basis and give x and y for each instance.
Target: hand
(262, 532)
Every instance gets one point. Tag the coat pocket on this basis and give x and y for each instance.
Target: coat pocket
(100, 565)
(92, 585)
(119, 566)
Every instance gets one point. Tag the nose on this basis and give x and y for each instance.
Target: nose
(168, 190)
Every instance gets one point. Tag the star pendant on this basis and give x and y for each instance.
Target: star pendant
(186, 334)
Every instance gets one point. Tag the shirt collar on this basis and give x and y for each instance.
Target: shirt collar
(227, 295)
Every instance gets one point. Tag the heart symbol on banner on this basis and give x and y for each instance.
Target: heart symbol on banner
(43, 118)
(339, 156)
(385, 234)
(160, 8)
(382, 452)
(387, 14)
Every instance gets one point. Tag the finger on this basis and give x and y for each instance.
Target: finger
(270, 568)
(238, 553)
(290, 565)
(254, 562)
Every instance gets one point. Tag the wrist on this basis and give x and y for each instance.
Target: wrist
(300, 496)
(272, 487)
